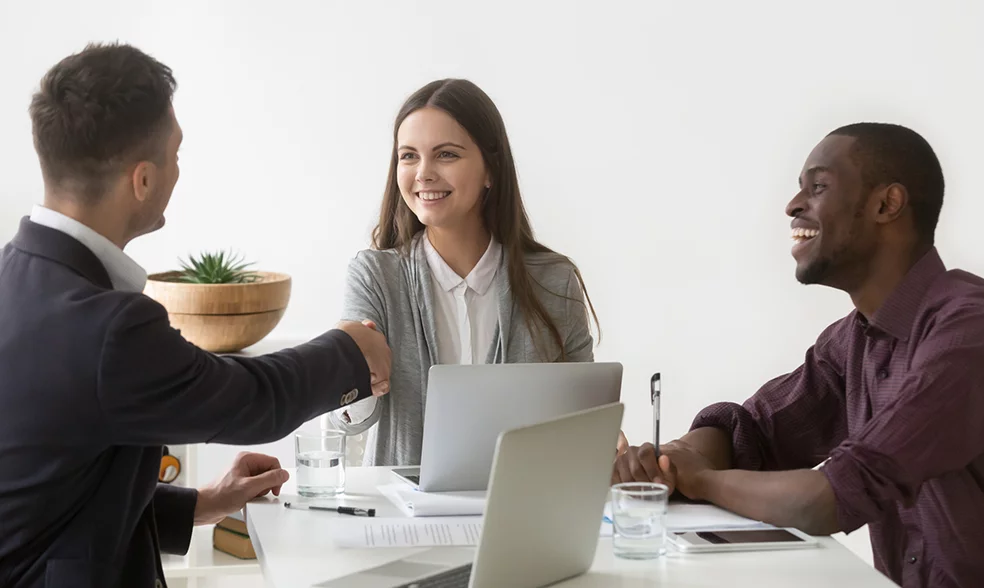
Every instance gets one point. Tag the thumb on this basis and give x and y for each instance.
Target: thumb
(669, 472)
(370, 324)
(623, 444)
(260, 484)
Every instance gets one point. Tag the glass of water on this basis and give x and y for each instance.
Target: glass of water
(320, 457)
(639, 518)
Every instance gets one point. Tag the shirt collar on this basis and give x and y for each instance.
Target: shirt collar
(481, 277)
(124, 273)
(897, 314)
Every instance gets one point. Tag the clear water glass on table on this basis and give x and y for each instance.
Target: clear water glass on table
(320, 457)
(639, 520)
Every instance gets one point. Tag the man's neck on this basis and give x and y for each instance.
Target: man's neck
(885, 272)
(102, 218)
(460, 248)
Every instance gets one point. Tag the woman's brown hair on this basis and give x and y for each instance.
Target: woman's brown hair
(502, 211)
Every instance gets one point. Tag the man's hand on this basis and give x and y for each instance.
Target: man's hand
(679, 467)
(639, 464)
(252, 475)
(686, 467)
(373, 345)
(623, 444)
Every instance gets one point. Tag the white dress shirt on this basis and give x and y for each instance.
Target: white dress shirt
(467, 308)
(124, 273)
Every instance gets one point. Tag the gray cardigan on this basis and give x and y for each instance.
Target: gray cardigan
(396, 292)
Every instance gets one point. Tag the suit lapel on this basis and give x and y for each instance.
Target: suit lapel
(500, 342)
(423, 289)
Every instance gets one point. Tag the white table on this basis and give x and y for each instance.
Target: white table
(204, 561)
(295, 550)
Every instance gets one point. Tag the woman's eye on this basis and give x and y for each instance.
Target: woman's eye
(407, 156)
(447, 155)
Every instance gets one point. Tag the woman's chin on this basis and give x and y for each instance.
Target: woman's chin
(435, 221)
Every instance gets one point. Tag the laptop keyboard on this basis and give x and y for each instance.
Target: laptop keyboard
(453, 578)
(414, 479)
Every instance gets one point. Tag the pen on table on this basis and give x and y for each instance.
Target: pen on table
(654, 398)
(347, 510)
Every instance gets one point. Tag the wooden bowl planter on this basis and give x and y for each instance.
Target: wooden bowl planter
(222, 318)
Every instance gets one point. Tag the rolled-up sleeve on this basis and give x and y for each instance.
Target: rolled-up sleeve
(794, 420)
(933, 426)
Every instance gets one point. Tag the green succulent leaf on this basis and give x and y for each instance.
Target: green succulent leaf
(220, 267)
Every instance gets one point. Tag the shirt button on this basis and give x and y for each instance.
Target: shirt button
(158, 584)
(882, 374)
(913, 559)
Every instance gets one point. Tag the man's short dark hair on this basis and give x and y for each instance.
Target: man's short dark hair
(98, 111)
(895, 154)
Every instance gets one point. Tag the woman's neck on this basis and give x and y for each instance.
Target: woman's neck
(461, 248)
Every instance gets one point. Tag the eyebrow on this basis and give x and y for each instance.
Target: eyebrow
(813, 171)
(436, 148)
(449, 144)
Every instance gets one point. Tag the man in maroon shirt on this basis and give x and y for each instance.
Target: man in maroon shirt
(891, 396)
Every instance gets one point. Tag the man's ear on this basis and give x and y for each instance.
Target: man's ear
(144, 180)
(892, 201)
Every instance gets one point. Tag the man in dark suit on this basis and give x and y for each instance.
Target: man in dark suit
(93, 380)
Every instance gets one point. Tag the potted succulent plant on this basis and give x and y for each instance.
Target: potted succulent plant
(219, 304)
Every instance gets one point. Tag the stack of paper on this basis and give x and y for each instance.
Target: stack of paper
(466, 530)
(415, 503)
(695, 517)
(383, 532)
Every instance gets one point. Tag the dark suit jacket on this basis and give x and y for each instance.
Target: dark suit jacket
(92, 383)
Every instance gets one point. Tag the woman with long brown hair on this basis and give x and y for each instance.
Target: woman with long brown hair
(455, 274)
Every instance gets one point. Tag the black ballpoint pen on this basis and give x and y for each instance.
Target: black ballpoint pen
(654, 398)
(347, 510)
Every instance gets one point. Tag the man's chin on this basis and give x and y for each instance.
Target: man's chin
(154, 227)
(157, 226)
(811, 272)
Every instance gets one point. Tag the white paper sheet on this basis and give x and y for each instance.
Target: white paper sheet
(695, 517)
(706, 516)
(415, 503)
(423, 532)
(386, 532)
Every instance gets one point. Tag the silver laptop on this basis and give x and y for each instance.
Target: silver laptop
(543, 515)
(468, 406)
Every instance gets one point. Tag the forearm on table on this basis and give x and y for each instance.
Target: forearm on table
(802, 499)
(713, 443)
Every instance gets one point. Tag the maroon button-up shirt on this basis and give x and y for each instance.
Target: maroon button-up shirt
(897, 405)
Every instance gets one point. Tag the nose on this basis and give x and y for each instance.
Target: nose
(797, 205)
(425, 171)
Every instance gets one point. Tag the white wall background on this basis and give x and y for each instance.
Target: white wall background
(657, 145)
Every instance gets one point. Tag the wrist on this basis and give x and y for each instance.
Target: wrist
(704, 482)
(204, 511)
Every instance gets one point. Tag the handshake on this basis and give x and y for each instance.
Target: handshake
(378, 356)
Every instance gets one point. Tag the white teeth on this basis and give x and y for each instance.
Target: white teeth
(800, 234)
(432, 195)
